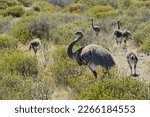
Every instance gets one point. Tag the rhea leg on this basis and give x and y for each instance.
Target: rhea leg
(135, 70)
(93, 69)
(131, 69)
(35, 50)
(118, 40)
(95, 73)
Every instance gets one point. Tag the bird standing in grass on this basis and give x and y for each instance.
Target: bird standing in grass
(132, 61)
(118, 34)
(95, 28)
(35, 45)
(91, 55)
(126, 35)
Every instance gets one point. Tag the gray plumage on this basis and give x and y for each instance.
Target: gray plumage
(132, 61)
(95, 28)
(35, 45)
(126, 35)
(91, 55)
(118, 34)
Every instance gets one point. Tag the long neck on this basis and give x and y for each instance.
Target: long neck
(92, 23)
(70, 53)
(118, 24)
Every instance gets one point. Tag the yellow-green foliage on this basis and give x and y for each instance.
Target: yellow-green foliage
(16, 11)
(26, 3)
(63, 34)
(90, 3)
(36, 7)
(21, 29)
(122, 88)
(138, 35)
(75, 7)
(8, 42)
(142, 4)
(12, 2)
(64, 69)
(145, 47)
(22, 78)
(100, 11)
(19, 63)
(45, 6)
(3, 5)
(13, 87)
(5, 24)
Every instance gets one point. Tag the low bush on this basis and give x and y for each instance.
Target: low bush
(21, 29)
(3, 5)
(139, 36)
(8, 42)
(26, 3)
(39, 29)
(12, 2)
(13, 87)
(63, 34)
(5, 25)
(61, 3)
(114, 89)
(90, 3)
(100, 11)
(16, 11)
(45, 6)
(36, 8)
(19, 63)
(145, 47)
(64, 68)
(76, 7)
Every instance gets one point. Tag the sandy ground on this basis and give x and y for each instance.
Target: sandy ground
(143, 65)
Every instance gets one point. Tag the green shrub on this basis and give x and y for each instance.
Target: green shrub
(5, 25)
(76, 7)
(12, 2)
(36, 8)
(8, 42)
(31, 13)
(45, 6)
(63, 34)
(3, 5)
(21, 29)
(139, 36)
(90, 3)
(125, 4)
(12, 87)
(39, 29)
(19, 63)
(16, 11)
(140, 4)
(145, 47)
(26, 3)
(100, 11)
(114, 89)
(64, 68)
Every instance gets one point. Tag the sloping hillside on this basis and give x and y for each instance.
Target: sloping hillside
(50, 73)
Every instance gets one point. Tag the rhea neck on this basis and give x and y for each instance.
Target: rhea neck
(92, 23)
(118, 24)
(70, 53)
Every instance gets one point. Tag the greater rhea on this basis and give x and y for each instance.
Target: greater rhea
(95, 28)
(126, 35)
(118, 33)
(132, 61)
(91, 55)
(35, 45)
